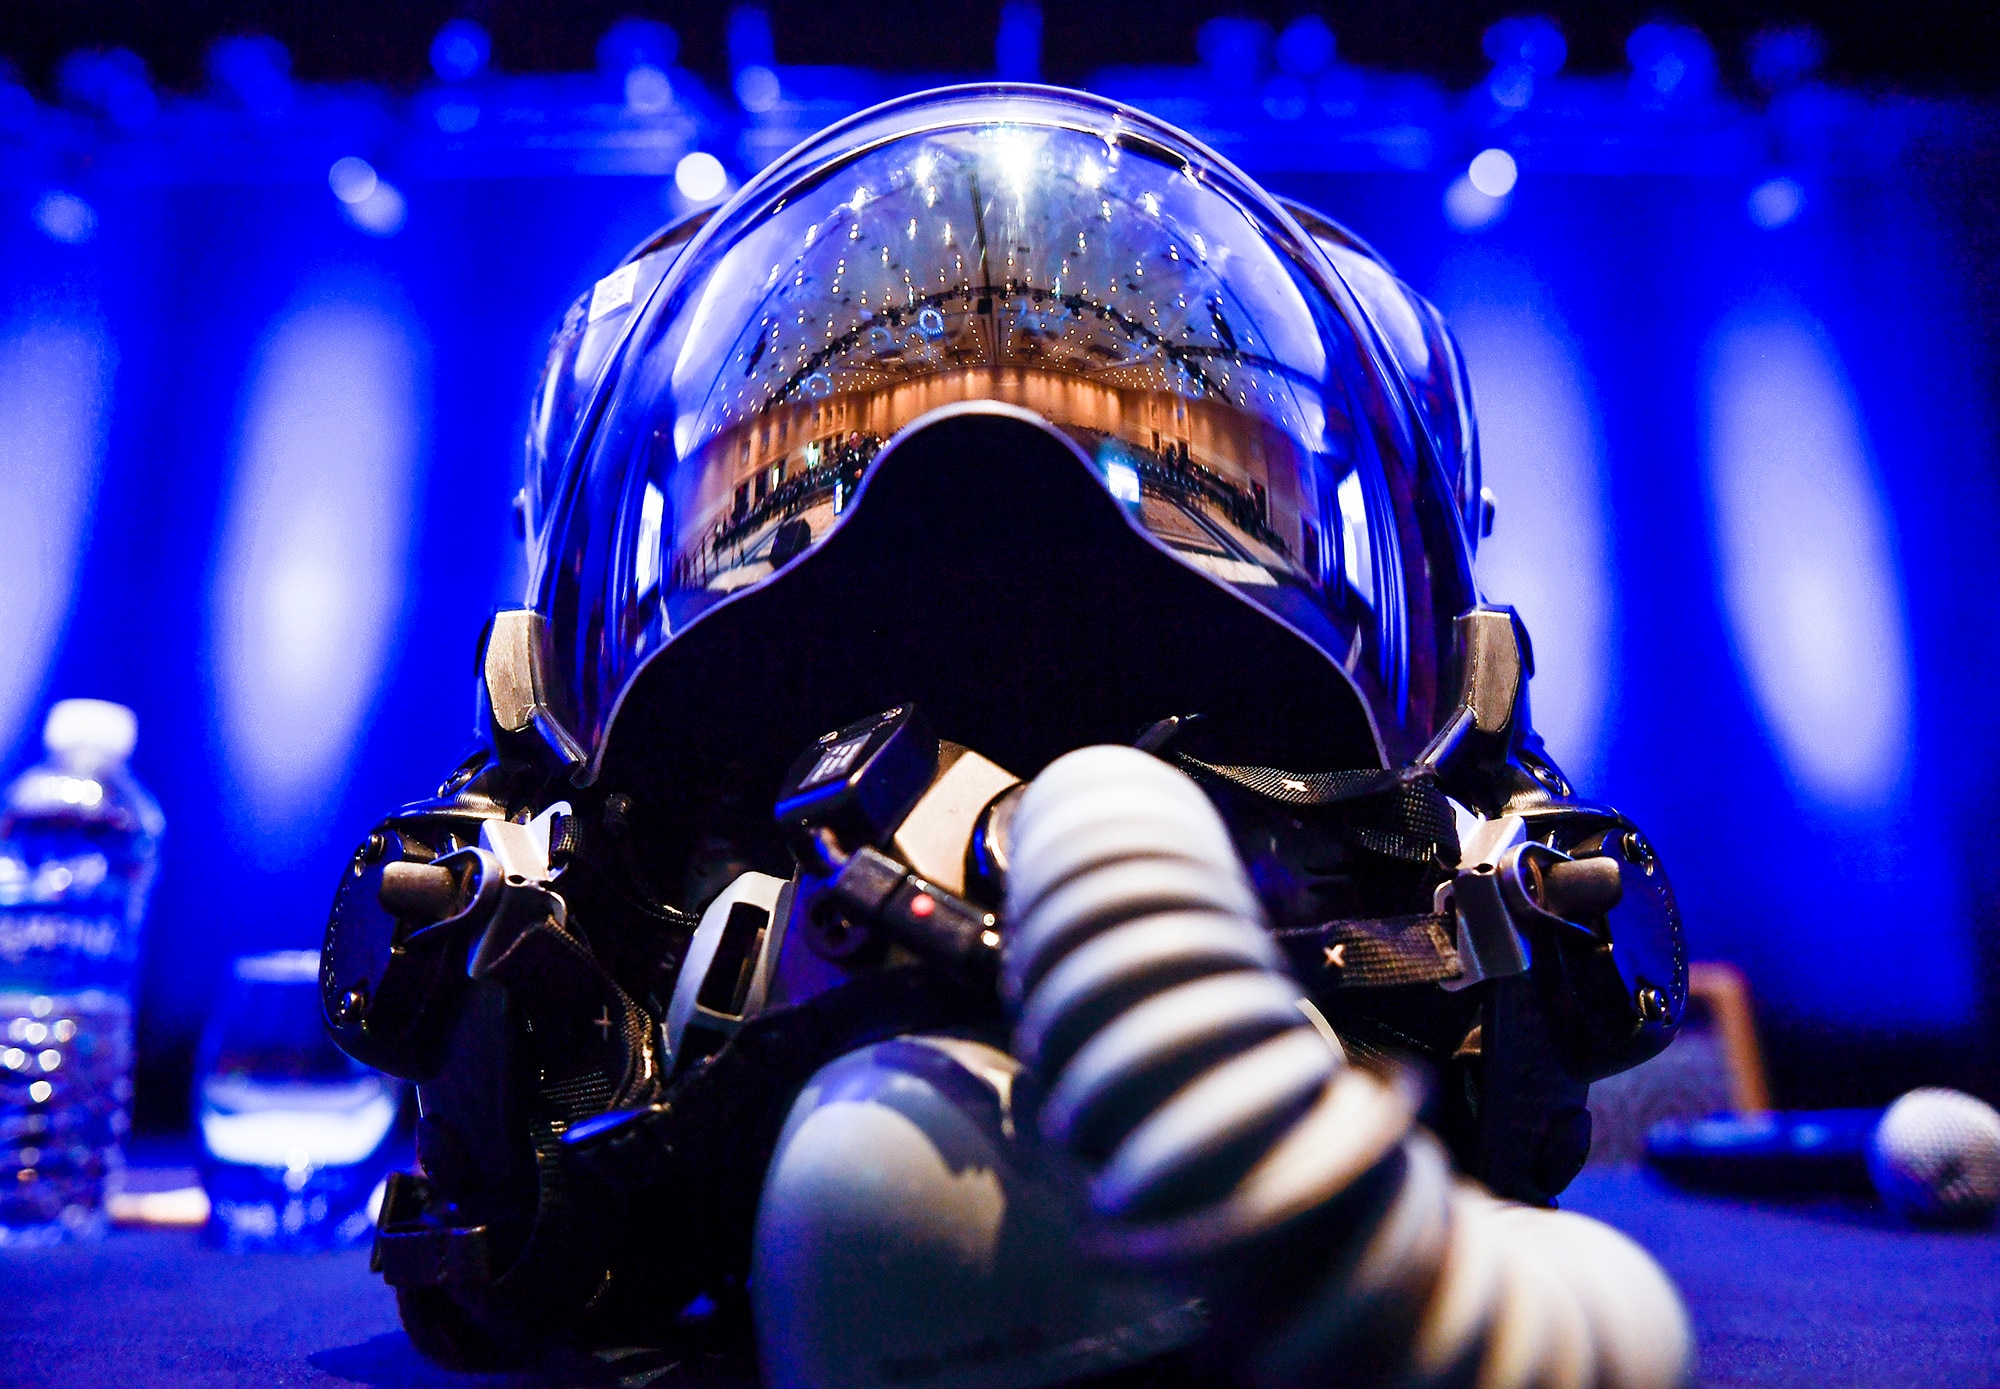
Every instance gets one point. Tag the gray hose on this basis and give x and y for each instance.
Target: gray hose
(1181, 1066)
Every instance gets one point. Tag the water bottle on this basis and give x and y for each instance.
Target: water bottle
(79, 843)
(293, 1133)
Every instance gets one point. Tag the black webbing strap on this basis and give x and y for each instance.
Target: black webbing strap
(1399, 813)
(1375, 952)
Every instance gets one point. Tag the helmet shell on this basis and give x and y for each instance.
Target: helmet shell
(1266, 404)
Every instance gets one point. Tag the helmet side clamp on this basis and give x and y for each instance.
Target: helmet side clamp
(1561, 909)
(395, 956)
(450, 959)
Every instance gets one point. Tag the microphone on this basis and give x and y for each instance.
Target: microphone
(1932, 1157)
(1935, 1158)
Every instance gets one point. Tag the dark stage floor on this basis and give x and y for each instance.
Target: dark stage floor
(1823, 1295)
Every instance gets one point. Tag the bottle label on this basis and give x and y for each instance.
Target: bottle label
(25, 934)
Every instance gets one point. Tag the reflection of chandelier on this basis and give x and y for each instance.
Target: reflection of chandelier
(1024, 324)
(1006, 247)
(1198, 346)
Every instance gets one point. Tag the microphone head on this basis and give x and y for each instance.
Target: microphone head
(1935, 1157)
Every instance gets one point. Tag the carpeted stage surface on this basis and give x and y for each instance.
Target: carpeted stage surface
(1822, 1295)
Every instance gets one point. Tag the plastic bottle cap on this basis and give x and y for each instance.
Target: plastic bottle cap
(93, 726)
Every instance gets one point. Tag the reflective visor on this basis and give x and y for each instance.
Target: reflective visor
(1045, 250)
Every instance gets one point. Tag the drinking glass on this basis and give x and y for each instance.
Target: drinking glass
(294, 1134)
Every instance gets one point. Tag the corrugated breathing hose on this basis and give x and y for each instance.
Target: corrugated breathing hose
(1224, 1134)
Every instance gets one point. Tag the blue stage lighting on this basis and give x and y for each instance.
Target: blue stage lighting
(752, 59)
(56, 368)
(1806, 558)
(638, 55)
(1670, 63)
(1551, 551)
(381, 213)
(632, 43)
(113, 84)
(1530, 41)
(750, 43)
(1523, 49)
(1018, 49)
(1287, 98)
(460, 51)
(1781, 58)
(648, 90)
(65, 217)
(352, 178)
(1468, 208)
(1235, 50)
(1306, 47)
(256, 71)
(1776, 202)
(17, 104)
(1493, 172)
(318, 529)
(455, 117)
(757, 89)
(700, 177)
(368, 201)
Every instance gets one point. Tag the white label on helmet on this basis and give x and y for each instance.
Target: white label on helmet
(835, 761)
(614, 291)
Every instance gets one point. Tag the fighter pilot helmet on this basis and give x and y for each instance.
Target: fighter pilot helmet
(1021, 408)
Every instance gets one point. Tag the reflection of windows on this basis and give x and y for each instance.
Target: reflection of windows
(1357, 552)
(646, 556)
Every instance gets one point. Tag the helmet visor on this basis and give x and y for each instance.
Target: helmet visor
(1037, 248)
